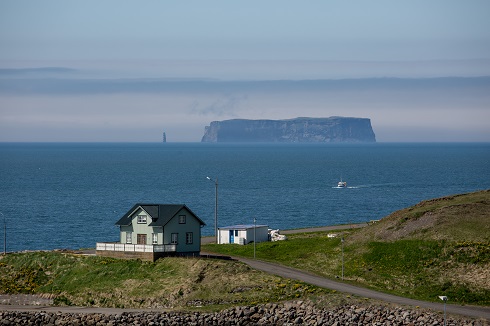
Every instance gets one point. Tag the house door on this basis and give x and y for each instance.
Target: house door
(232, 237)
(141, 239)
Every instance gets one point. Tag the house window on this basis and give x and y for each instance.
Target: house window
(174, 237)
(188, 238)
(236, 233)
(154, 238)
(129, 237)
(181, 219)
(141, 219)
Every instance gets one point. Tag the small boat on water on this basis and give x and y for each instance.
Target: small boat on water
(342, 184)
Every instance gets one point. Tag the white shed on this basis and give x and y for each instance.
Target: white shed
(243, 234)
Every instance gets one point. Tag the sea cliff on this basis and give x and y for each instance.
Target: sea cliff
(298, 130)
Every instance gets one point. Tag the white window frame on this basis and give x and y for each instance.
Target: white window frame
(174, 238)
(189, 237)
(129, 237)
(141, 219)
(182, 219)
(154, 238)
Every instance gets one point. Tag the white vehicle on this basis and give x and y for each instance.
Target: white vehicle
(275, 236)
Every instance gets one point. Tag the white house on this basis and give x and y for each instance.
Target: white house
(243, 234)
(151, 231)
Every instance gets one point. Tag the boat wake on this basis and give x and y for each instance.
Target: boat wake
(368, 186)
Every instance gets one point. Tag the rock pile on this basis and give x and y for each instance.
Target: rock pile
(290, 313)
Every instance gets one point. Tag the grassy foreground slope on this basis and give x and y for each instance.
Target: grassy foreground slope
(437, 247)
(172, 283)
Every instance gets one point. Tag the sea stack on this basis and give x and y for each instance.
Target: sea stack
(298, 130)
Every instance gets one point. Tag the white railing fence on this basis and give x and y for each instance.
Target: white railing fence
(111, 246)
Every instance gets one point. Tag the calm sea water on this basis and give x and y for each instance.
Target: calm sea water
(69, 195)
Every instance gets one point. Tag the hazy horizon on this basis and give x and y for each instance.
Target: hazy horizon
(109, 71)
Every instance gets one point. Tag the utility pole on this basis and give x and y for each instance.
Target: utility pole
(4, 235)
(444, 298)
(342, 244)
(215, 209)
(255, 227)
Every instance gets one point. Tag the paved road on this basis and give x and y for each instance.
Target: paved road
(326, 228)
(72, 309)
(288, 272)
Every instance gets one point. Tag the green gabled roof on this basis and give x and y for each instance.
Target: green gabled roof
(160, 214)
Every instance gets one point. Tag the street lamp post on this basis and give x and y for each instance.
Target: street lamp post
(444, 298)
(255, 227)
(342, 244)
(215, 209)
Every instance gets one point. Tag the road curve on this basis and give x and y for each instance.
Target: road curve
(296, 274)
(300, 275)
(291, 273)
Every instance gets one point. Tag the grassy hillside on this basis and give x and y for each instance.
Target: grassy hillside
(463, 217)
(438, 247)
(176, 283)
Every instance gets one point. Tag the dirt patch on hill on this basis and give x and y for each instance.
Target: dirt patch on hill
(477, 276)
(400, 230)
(453, 218)
(26, 299)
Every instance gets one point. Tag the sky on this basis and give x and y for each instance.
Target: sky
(133, 69)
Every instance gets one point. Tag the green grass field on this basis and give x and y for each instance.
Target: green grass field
(172, 283)
(438, 247)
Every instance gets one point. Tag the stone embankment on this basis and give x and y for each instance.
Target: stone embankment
(289, 313)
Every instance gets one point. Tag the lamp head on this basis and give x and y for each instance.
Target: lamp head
(208, 178)
(443, 298)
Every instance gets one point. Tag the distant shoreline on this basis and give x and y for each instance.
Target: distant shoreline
(211, 239)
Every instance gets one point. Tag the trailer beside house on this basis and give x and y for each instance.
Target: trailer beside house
(243, 234)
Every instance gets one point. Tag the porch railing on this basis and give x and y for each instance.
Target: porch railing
(112, 246)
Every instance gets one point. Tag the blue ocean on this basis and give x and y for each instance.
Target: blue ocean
(69, 195)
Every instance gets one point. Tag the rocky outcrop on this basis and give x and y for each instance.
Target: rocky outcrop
(289, 313)
(298, 130)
